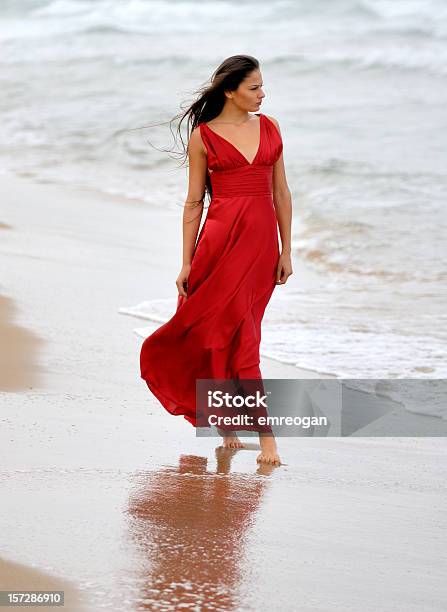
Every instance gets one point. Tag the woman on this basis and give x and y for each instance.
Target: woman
(229, 274)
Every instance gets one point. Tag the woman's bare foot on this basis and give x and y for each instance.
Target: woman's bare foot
(269, 451)
(230, 439)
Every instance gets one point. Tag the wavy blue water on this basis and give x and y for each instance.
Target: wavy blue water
(360, 90)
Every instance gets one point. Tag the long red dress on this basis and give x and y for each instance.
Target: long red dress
(216, 330)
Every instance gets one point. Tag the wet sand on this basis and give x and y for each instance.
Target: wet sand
(104, 490)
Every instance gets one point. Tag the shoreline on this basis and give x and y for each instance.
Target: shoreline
(77, 247)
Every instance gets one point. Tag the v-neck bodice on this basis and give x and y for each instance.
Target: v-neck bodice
(223, 155)
(238, 150)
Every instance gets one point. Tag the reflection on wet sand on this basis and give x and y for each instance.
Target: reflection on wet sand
(190, 525)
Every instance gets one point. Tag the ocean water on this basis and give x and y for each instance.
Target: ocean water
(360, 90)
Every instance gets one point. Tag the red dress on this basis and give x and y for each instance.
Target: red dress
(216, 330)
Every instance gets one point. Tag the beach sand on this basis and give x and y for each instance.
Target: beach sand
(106, 493)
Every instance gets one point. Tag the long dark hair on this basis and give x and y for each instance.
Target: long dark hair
(209, 103)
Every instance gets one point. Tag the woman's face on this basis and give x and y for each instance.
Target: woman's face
(248, 96)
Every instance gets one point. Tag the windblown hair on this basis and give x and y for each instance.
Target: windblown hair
(210, 101)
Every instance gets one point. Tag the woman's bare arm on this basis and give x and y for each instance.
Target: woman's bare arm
(192, 213)
(282, 200)
(193, 209)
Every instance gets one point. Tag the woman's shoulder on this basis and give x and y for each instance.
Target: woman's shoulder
(195, 141)
(274, 121)
(196, 133)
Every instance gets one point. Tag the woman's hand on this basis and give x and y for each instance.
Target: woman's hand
(182, 280)
(284, 269)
